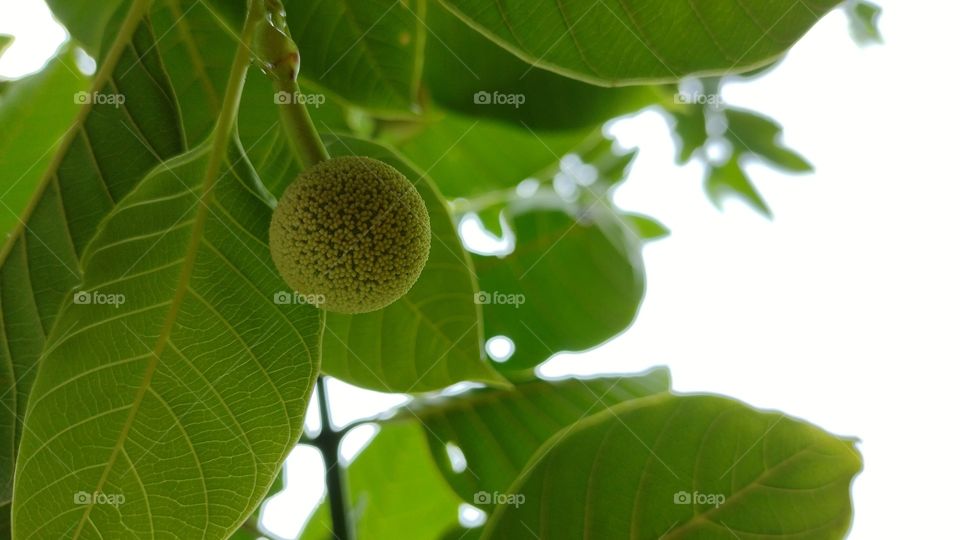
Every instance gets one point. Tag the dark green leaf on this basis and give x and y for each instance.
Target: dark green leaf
(672, 467)
(461, 65)
(653, 40)
(690, 127)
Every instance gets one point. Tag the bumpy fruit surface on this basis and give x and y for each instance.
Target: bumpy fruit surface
(352, 233)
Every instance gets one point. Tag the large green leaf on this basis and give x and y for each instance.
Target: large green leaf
(569, 284)
(369, 52)
(395, 486)
(470, 157)
(35, 112)
(107, 151)
(654, 40)
(497, 431)
(428, 339)
(184, 395)
(673, 467)
(461, 65)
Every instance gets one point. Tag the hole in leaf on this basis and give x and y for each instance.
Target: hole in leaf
(500, 348)
(471, 516)
(458, 461)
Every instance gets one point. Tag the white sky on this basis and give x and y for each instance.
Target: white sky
(842, 311)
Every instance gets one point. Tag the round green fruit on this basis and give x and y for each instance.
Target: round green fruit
(352, 233)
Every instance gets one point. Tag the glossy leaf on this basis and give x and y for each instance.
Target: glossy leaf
(569, 284)
(467, 73)
(107, 151)
(190, 389)
(428, 339)
(672, 467)
(654, 40)
(498, 431)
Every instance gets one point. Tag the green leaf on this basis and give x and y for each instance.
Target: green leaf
(461, 64)
(654, 40)
(430, 338)
(319, 525)
(753, 133)
(395, 486)
(370, 53)
(107, 151)
(470, 157)
(89, 24)
(690, 128)
(35, 113)
(498, 431)
(676, 467)
(647, 228)
(730, 179)
(864, 18)
(184, 394)
(5, 42)
(570, 283)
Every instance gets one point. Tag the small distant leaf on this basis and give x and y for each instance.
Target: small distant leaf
(498, 431)
(674, 467)
(864, 18)
(648, 228)
(5, 42)
(690, 128)
(617, 43)
(570, 283)
(730, 179)
(759, 135)
(429, 338)
(395, 486)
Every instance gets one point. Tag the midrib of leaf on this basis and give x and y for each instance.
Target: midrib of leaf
(218, 150)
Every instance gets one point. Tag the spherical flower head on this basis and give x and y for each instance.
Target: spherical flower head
(351, 232)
